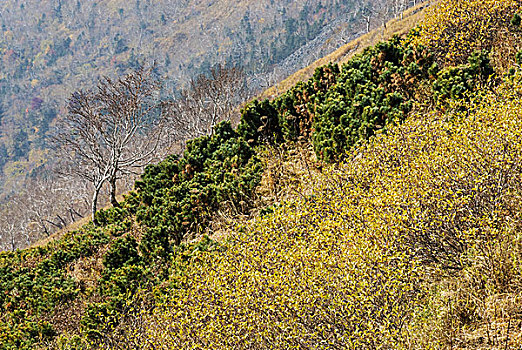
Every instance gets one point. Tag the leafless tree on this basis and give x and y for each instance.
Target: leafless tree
(382, 11)
(111, 132)
(52, 204)
(41, 208)
(13, 224)
(208, 100)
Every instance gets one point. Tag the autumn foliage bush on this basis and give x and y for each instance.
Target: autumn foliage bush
(453, 29)
(350, 265)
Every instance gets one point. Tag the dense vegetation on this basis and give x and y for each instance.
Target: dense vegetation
(411, 222)
(369, 260)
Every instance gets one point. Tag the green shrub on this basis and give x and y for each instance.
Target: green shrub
(259, 123)
(454, 82)
(123, 251)
(179, 196)
(110, 216)
(372, 90)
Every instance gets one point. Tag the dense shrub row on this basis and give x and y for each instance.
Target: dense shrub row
(179, 196)
(36, 282)
(342, 105)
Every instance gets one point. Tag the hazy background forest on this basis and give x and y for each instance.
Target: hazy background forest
(51, 48)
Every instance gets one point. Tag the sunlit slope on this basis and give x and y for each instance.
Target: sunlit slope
(404, 233)
(412, 243)
(350, 266)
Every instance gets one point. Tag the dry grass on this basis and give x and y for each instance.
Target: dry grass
(289, 171)
(60, 233)
(72, 227)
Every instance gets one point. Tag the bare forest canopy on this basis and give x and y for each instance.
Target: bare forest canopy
(52, 48)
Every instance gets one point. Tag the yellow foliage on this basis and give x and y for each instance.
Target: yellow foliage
(351, 266)
(453, 29)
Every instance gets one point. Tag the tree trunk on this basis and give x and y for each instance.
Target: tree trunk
(94, 205)
(44, 226)
(13, 244)
(64, 223)
(112, 184)
(57, 225)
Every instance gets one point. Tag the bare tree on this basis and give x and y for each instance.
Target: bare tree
(41, 208)
(382, 11)
(111, 132)
(209, 100)
(51, 204)
(13, 224)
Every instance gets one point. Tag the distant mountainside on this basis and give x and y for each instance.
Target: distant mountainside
(50, 48)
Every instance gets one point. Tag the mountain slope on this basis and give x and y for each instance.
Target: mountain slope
(88, 274)
(33, 95)
(407, 221)
(396, 26)
(411, 244)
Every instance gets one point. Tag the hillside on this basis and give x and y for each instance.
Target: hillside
(50, 49)
(375, 205)
(399, 25)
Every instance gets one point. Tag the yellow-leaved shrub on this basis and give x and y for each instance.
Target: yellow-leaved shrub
(373, 258)
(454, 29)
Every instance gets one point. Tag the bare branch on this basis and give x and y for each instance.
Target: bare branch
(112, 131)
(209, 100)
